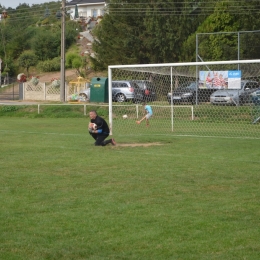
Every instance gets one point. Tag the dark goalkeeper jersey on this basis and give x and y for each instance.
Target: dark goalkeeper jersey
(102, 126)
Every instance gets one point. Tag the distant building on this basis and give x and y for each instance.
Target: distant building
(86, 8)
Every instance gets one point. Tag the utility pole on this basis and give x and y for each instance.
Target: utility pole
(0, 72)
(62, 67)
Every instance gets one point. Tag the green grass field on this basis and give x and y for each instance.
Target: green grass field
(187, 198)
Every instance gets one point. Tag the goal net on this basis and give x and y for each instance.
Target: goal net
(193, 99)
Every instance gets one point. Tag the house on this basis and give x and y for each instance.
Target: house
(86, 8)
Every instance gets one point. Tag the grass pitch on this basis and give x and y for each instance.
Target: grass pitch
(63, 198)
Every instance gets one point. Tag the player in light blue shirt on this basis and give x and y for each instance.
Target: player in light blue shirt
(149, 113)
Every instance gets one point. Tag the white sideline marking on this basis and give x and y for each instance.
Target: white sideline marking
(198, 136)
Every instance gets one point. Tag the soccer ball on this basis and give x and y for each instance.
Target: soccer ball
(94, 126)
(124, 116)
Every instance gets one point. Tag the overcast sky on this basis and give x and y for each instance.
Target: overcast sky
(15, 3)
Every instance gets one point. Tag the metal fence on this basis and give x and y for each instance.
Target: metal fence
(10, 92)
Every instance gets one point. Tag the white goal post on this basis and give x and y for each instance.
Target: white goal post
(190, 112)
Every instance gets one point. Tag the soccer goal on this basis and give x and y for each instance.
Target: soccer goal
(194, 99)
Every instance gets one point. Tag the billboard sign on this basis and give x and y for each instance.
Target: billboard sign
(227, 79)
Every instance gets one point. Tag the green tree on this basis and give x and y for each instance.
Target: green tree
(27, 59)
(78, 62)
(228, 16)
(143, 32)
(46, 45)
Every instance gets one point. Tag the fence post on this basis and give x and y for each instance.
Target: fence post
(13, 91)
(44, 87)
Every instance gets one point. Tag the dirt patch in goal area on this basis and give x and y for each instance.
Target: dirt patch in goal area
(137, 144)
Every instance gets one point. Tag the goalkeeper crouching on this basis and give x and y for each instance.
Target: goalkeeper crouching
(99, 130)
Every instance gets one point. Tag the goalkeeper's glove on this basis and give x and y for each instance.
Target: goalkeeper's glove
(91, 131)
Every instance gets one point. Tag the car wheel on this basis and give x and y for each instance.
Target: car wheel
(120, 97)
(84, 97)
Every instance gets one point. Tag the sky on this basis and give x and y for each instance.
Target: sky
(15, 3)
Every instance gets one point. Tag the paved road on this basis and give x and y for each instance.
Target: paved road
(17, 102)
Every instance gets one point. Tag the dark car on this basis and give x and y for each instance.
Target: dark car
(246, 96)
(255, 97)
(145, 91)
(189, 93)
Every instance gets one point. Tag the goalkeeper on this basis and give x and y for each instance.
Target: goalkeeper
(149, 113)
(99, 129)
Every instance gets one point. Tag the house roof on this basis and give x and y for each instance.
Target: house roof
(84, 2)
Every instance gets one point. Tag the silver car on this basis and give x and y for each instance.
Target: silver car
(234, 96)
(122, 90)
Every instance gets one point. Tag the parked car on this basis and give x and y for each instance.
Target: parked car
(255, 97)
(190, 93)
(238, 96)
(123, 90)
(126, 90)
(246, 96)
(145, 91)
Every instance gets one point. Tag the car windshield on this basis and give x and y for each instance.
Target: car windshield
(190, 85)
(134, 85)
(144, 84)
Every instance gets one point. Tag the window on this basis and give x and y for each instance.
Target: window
(94, 12)
(123, 85)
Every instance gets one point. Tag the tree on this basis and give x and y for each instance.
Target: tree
(27, 59)
(227, 17)
(46, 44)
(143, 32)
(78, 62)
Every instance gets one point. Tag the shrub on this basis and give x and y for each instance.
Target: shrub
(49, 65)
(9, 108)
(70, 57)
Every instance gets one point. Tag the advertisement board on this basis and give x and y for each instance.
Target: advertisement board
(228, 79)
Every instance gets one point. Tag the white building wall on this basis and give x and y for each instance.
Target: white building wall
(88, 10)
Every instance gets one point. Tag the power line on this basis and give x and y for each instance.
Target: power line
(137, 9)
(203, 5)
